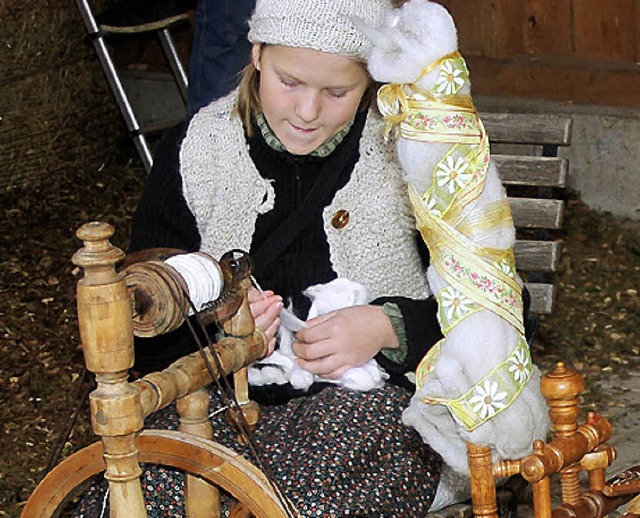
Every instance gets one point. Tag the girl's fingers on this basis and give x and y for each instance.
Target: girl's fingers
(270, 331)
(336, 374)
(264, 319)
(312, 351)
(254, 295)
(325, 366)
(271, 346)
(320, 328)
(269, 305)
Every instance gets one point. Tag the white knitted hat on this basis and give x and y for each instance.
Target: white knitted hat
(323, 25)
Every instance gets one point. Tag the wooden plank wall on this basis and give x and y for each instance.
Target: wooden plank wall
(574, 50)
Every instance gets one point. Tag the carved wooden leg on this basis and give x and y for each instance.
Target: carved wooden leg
(483, 485)
(562, 389)
(541, 489)
(542, 498)
(104, 315)
(123, 473)
(250, 409)
(242, 325)
(202, 500)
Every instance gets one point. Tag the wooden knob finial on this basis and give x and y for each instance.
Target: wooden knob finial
(562, 383)
(563, 388)
(98, 252)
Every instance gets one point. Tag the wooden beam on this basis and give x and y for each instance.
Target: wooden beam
(548, 27)
(565, 80)
(535, 170)
(604, 30)
(537, 256)
(528, 128)
(537, 213)
(542, 297)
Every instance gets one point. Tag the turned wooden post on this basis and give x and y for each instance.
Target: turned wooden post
(202, 500)
(483, 485)
(241, 325)
(104, 314)
(541, 488)
(562, 389)
(596, 462)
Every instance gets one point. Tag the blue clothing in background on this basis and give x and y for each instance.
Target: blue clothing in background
(220, 49)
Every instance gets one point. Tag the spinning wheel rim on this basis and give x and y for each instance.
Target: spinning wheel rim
(194, 455)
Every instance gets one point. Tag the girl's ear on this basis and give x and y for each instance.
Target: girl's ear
(256, 51)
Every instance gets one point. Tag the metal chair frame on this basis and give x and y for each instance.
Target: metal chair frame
(98, 33)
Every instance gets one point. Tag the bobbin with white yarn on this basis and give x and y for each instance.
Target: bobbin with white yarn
(202, 276)
(160, 290)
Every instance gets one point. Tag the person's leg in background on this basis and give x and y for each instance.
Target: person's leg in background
(220, 49)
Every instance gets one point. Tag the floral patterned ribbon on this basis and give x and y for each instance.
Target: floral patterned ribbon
(397, 102)
(479, 278)
(492, 394)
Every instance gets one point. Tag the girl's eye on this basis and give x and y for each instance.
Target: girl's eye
(288, 83)
(337, 94)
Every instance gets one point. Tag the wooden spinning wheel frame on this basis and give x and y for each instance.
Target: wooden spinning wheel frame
(106, 304)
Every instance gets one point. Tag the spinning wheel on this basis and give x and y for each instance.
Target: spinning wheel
(111, 307)
(575, 449)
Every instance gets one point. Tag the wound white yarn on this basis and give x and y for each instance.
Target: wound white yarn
(201, 274)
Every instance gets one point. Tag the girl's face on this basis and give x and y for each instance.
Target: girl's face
(307, 96)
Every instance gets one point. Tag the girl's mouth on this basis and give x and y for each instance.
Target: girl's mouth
(302, 130)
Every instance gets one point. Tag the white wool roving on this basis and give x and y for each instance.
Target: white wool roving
(415, 53)
(280, 367)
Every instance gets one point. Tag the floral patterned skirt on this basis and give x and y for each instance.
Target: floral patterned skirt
(335, 453)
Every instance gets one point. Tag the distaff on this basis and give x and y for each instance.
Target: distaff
(478, 277)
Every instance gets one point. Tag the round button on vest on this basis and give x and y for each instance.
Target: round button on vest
(340, 219)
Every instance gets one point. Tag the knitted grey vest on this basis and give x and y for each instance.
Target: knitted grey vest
(225, 192)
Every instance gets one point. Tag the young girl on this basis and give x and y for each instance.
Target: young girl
(292, 167)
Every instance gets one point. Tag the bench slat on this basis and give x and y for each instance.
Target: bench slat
(520, 128)
(542, 297)
(535, 170)
(537, 213)
(537, 256)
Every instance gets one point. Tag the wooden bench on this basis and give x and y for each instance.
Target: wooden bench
(535, 185)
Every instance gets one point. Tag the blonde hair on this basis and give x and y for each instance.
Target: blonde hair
(248, 101)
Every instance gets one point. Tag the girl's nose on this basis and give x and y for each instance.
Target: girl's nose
(308, 106)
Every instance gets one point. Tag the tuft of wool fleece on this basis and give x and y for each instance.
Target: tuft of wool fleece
(281, 367)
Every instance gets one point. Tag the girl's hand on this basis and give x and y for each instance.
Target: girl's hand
(265, 308)
(343, 339)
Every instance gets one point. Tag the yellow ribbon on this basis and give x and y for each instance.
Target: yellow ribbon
(470, 268)
(492, 394)
(393, 105)
(393, 100)
(478, 277)
(491, 217)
